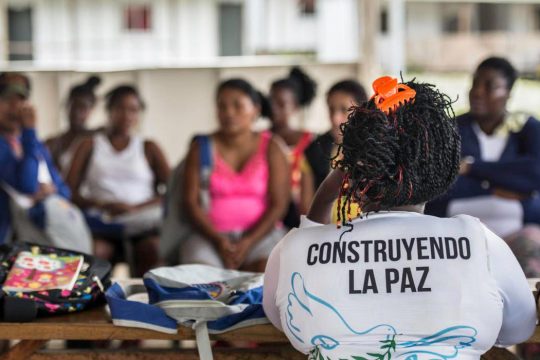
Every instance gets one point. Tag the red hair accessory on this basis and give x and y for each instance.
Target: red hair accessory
(389, 94)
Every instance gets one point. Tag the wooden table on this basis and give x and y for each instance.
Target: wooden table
(95, 324)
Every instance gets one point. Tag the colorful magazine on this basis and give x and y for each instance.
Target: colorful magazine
(40, 272)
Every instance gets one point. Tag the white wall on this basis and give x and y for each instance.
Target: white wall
(522, 18)
(75, 33)
(338, 30)
(423, 19)
(101, 37)
(180, 104)
(194, 29)
(278, 25)
(53, 33)
(3, 31)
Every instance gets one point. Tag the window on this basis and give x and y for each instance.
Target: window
(307, 7)
(450, 24)
(537, 17)
(493, 17)
(138, 17)
(230, 29)
(384, 21)
(20, 33)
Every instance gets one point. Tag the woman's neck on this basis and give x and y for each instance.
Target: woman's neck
(234, 139)
(76, 130)
(411, 208)
(115, 134)
(489, 124)
(282, 128)
(406, 208)
(290, 135)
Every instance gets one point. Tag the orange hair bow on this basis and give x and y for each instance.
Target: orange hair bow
(389, 94)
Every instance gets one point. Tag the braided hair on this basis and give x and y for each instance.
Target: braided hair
(406, 157)
(86, 89)
(302, 86)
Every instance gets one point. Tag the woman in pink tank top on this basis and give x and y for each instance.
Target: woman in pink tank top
(249, 187)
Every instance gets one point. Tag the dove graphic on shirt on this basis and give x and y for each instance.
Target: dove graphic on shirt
(302, 304)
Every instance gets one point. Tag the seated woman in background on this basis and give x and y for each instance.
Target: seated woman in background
(339, 99)
(395, 283)
(500, 168)
(287, 97)
(80, 104)
(121, 173)
(248, 187)
(25, 164)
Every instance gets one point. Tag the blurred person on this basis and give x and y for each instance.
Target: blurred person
(340, 98)
(249, 186)
(500, 167)
(26, 167)
(80, 104)
(121, 173)
(396, 283)
(287, 97)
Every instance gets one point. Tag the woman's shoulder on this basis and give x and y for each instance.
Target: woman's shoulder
(53, 140)
(275, 142)
(517, 122)
(85, 144)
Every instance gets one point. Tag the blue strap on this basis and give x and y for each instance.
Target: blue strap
(126, 312)
(205, 151)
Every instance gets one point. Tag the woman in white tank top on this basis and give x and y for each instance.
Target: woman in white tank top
(118, 174)
(396, 284)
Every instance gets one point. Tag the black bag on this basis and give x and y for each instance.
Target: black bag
(89, 288)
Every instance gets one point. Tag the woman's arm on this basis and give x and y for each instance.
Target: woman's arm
(160, 168)
(27, 167)
(53, 145)
(521, 174)
(278, 193)
(321, 206)
(77, 173)
(191, 204)
(519, 308)
(61, 187)
(307, 187)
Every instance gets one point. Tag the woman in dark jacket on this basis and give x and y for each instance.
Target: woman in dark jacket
(500, 167)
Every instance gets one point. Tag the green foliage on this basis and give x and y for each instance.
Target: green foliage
(385, 353)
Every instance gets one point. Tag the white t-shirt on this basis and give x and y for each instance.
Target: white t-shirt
(503, 216)
(399, 284)
(123, 176)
